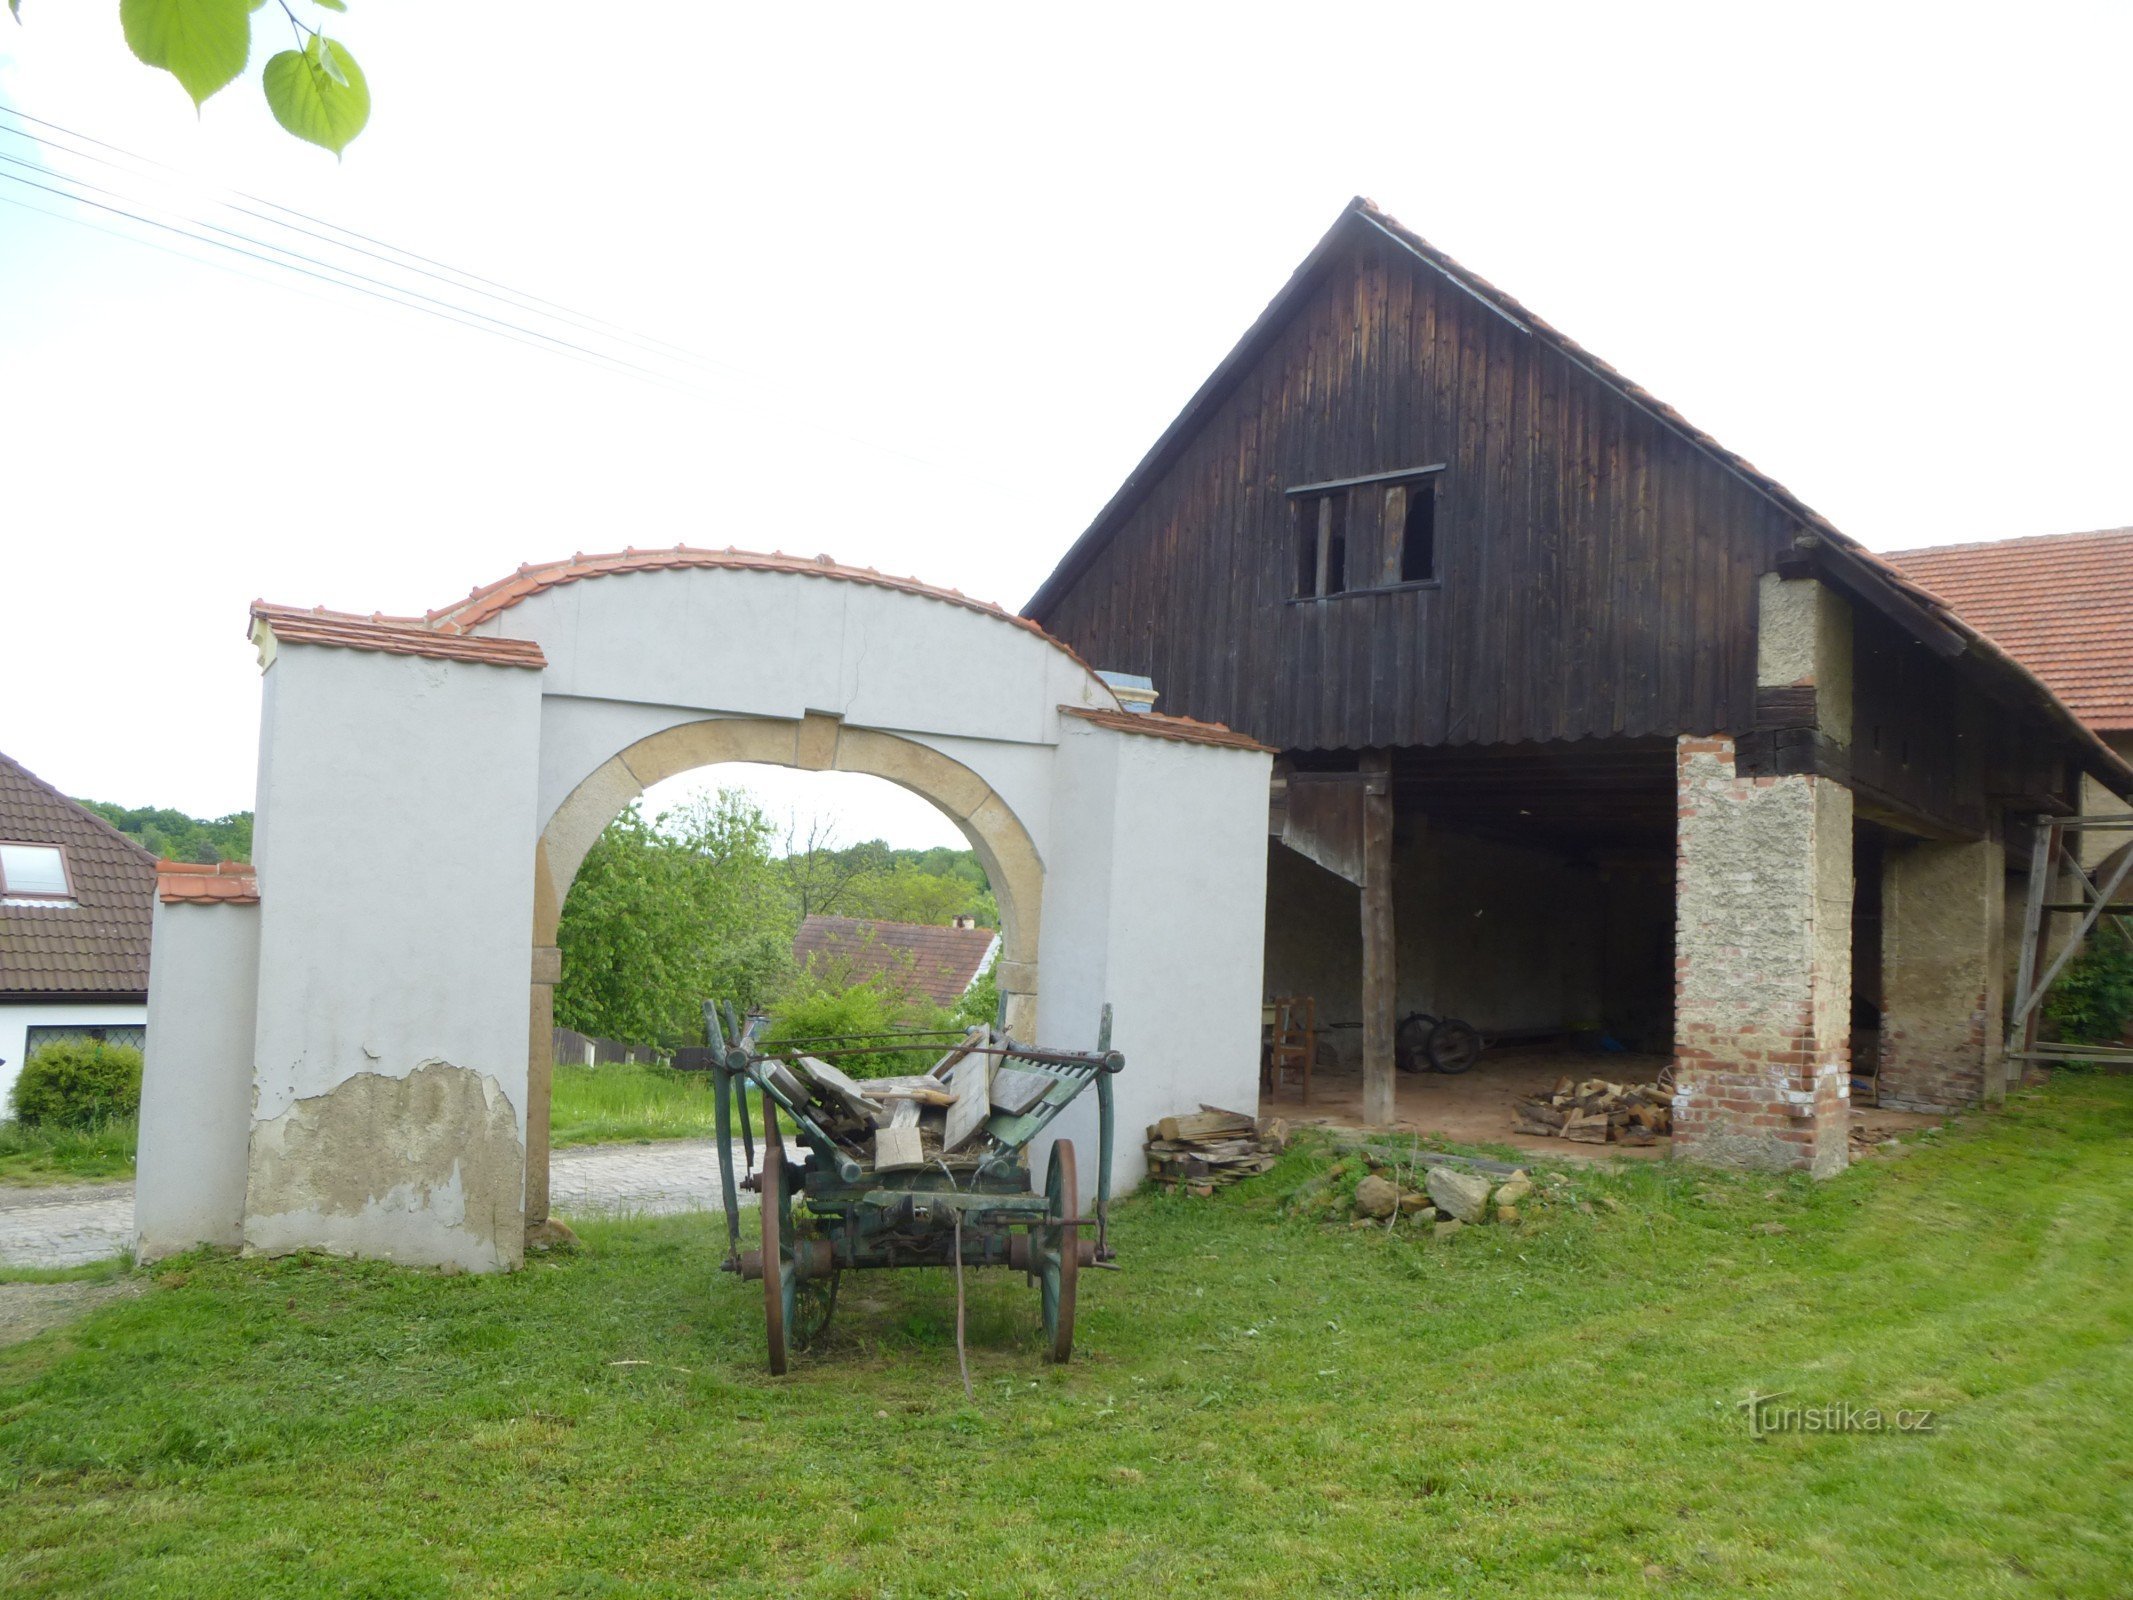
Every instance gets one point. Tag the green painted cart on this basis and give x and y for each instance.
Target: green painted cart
(962, 1197)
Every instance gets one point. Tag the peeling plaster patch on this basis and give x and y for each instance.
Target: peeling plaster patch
(426, 1169)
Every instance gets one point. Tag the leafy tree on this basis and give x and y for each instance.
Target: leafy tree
(872, 881)
(315, 89)
(666, 915)
(173, 836)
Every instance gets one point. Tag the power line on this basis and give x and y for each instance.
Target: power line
(473, 283)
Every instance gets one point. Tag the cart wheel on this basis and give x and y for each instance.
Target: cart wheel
(1059, 1252)
(1453, 1046)
(778, 1278)
(1410, 1042)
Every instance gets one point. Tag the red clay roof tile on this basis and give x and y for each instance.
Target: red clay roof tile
(97, 943)
(234, 883)
(939, 962)
(2061, 604)
(1186, 730)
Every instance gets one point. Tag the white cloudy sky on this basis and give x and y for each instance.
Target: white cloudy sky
(948, 270)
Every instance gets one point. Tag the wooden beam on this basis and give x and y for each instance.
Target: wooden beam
(1379, 974)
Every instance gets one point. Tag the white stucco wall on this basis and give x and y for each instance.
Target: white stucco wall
(1155, 902)
(196, 1079)
(395, 841)
(17, 1020)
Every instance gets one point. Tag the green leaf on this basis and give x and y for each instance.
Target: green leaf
(332, 5)
(318, 93)
(201, 43)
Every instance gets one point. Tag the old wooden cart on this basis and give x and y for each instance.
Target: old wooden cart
(927, 1170)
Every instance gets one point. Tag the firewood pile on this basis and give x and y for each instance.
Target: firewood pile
(1211, 1149)
(1596, 1111)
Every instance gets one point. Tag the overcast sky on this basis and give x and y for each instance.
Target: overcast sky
(946, 272)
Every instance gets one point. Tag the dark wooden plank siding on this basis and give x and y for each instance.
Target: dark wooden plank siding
(1597, 571)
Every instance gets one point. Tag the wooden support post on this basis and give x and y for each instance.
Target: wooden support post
(1379, 1023)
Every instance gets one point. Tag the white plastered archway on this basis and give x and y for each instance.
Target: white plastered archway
(814, 743)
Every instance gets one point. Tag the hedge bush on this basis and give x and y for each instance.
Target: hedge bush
(78, 1083)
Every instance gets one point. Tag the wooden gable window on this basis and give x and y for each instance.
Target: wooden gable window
(1389, 517)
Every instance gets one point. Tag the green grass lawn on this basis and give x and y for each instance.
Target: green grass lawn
(1260, 1405)
(39, 1155)
(592, 1105)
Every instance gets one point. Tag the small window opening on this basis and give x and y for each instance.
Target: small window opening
(1418, 534)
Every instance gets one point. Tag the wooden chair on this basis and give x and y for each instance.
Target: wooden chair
(1292, 1042)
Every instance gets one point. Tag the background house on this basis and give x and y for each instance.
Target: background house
(939, 962)
(76, 898)
(1608, 728)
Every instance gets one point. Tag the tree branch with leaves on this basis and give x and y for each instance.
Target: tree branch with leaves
(314, 88)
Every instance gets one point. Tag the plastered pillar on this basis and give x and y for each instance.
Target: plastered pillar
(1762, 957)
(1942, 910)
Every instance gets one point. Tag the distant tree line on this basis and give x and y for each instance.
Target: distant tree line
(173, 836)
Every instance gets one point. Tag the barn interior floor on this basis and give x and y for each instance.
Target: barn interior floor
(1475, 1107)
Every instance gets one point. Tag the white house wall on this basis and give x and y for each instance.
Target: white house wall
(17, 1020)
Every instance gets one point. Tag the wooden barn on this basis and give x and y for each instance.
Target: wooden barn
(1587, 727)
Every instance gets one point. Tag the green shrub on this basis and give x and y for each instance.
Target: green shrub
(814, 1009)
(2093, 1000)
(78, 1083)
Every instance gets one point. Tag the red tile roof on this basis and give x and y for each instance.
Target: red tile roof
(2061, 604)
(98, 943)
(1186, 730)
(407, 636)
(226, 883)
(940, 962)
(444, 634)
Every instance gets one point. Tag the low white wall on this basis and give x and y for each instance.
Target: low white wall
(17, 1020)
(196, 1080)
(1155, 902)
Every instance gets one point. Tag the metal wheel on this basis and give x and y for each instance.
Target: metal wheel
(779, 1311)
(1410, 1042)
(1453, 1046)
(1059, 1252)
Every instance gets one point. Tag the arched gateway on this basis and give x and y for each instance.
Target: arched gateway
(342, 1053)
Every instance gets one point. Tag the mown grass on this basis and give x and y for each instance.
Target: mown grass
(1260, 1405)
(592, 1105)
(35, 1154)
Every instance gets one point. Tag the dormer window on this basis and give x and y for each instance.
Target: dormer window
(34, 872)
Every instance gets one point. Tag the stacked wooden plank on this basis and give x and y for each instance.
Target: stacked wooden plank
(1210, 1148)
(932, 1118)
(1598, 1111)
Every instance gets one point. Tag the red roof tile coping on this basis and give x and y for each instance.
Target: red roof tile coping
(1186, 730)
(2060, 603)
(406, 636)
(419, 635)
(193, 883)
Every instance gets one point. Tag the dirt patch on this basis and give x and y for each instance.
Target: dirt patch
(28, 1309)
(1475, 1107)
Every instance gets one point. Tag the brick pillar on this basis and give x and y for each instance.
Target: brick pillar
(1942, 908)
(1762, 958)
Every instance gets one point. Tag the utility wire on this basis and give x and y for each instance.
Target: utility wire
(393, 293)
(455, 277)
